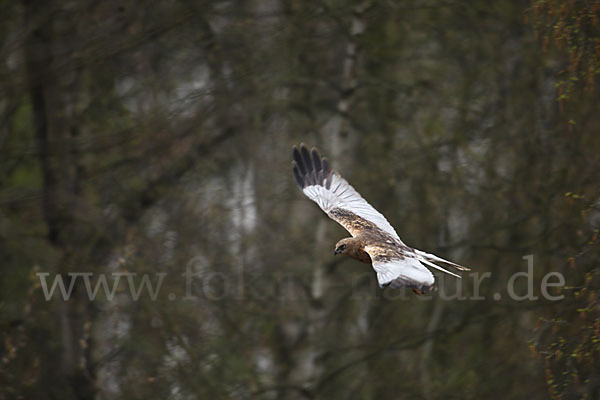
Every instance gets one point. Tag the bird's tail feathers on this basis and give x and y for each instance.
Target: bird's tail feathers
(430, 258)
(424, 261)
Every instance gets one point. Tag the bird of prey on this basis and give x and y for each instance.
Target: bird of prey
(373, 238)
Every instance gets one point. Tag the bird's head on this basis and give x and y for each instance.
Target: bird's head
(343, 246)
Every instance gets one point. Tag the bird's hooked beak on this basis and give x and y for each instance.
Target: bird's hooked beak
(337, 251)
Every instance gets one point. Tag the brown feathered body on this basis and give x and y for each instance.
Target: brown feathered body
(384, 247)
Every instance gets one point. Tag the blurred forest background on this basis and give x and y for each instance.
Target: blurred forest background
(149, 137)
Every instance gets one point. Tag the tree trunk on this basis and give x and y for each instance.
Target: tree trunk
(61, 186)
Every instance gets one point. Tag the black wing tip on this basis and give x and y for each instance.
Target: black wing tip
(325, 165)
(309, 167)
(297, 175)
(316, 158)
(306, 157)
(298, 160)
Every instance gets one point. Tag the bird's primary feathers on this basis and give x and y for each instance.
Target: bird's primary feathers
(373, 239)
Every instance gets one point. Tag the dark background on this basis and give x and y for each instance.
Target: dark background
(144, 137)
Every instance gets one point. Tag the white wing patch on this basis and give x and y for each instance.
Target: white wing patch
(407, 272)
(342, 195)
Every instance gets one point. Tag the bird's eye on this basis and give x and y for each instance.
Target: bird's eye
(343, 247)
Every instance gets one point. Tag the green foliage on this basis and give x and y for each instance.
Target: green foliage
(573, 27)
(568, 339)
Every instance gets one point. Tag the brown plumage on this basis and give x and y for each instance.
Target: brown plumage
(366, 234)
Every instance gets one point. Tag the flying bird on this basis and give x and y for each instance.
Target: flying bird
(373, 239)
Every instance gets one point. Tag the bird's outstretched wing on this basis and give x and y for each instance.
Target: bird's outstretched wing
(335, 195)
